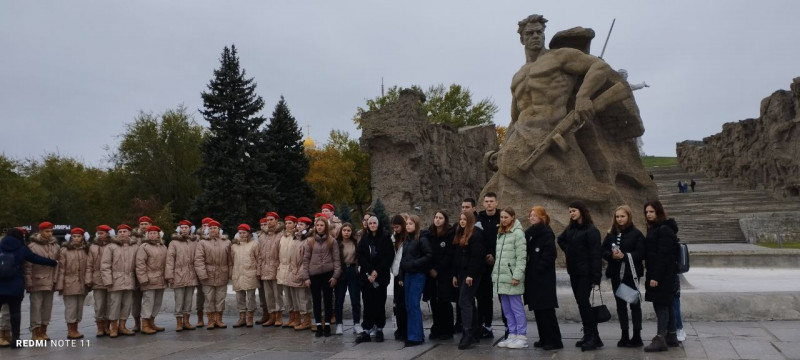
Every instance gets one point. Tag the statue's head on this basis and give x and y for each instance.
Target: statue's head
(531, 32)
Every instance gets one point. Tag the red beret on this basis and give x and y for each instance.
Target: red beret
(104, 228)
(328, 206)
(305, 220)
(77, 230)
(206, 220)
(145, 219)
(213, 223)
(290, 218)
(319, 215)
(262, 221)
(45, 225)
(244, 227)
(273, 214)
(153, 228)
(185, 222)
(123, 226)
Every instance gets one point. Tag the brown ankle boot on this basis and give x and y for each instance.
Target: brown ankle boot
(113, 330)
(72, 331)
(200, 319)
(5, 338)
(305, 324)
(186, 324)
(122, 330)
(137, 324)
(101, 328)
(658, 344)
(211, 323)
(147, 327)
(250, 316)
(43, 333)
(292, 320)
(179, 323)
(278, 319)
(242, 321)
(270, 320)
(219, 322)
(333, 319)
(264, 316)
(154, 326)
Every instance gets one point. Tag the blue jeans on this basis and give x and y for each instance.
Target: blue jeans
(348, 281)
(414, 283)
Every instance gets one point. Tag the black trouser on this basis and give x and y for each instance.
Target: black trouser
(374, 299)
(14, 310)
(320, 286)
(547, 324)
(665, 314)
(442, 313)
(485, 297)
(470, 317)
(400, 314)
(582, 288)
(622, 307)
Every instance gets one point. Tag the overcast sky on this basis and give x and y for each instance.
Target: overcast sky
(73, 73)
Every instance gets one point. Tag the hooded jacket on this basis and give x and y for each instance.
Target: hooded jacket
(244, 257)
(180, 261)
(151, 261)
(212, 261)
(71, 269)
(510, 260)
(40, 277)
(285, 257)
(321, 255)
(15, 286)
(269, 244)
(93, 277)
(660, 245)
(375, 253)
(294, 277)
(118, 265)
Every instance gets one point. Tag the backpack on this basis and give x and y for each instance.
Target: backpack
(682, 257)
(8, 265)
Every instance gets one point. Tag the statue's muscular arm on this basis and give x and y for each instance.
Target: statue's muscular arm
(595, 73)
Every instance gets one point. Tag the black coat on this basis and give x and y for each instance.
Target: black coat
(417, 256)
(661, 249)
(15, 285)
(470, 260)
(375, 253)
(441, 287)
(540, 270)
(631, 242)
(581, 245)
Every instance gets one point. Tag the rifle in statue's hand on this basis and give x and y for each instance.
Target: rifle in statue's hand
(572, 122)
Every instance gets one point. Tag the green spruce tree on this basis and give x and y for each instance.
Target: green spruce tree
(288, 161)
(237, 185)
(343, 211)
(383, 218)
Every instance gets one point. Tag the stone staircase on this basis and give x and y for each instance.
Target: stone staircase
(711, 214)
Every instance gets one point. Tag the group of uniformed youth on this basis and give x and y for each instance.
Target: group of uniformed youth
(302, 266)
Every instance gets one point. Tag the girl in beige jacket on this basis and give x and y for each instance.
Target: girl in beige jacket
(40, 280)
(117, 269)
(180, 273)
(244, 257)
(212, 264)
(151, 261)
(284, 257)
(94, 279)
(70, 280)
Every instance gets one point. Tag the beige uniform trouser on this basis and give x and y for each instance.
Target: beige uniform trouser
(151, 303)
(100, 304)
(183, 300)
(274, 297)
(41, 308)
(5, 318)
(136, 307)
(73, 308)
(288, 301)
(119, 304)
(262, 297)
(215, 297)
(301, 296)
(246, 300)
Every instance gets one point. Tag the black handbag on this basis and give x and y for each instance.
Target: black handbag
(601, 313)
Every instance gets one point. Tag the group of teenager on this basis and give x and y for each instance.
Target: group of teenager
(307, 266)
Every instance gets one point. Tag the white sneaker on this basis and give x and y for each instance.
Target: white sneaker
(357, 329)
(504, 343)
(681, 335)
(519, 342)
(339, 329)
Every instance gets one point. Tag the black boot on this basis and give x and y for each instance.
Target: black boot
(320, 328)
(466, 339)
(672, 340)
(379, 335)
(636, 339)
(590, 343)
(326, 331)
(580, 342)
(658, 344)
(363, 337)
(624, 340)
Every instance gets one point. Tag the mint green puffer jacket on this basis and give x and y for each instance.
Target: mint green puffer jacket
(510, 261)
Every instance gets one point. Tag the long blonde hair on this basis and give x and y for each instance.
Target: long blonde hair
(463, 235)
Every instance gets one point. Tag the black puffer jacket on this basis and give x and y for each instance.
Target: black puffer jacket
(581, 244)
(661, 249)
(375, 253)
(469, 261)
(540, 272)
(442, 286)
(417, 256)
(631, 243)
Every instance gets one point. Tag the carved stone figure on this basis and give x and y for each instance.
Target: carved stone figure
(572, 131)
